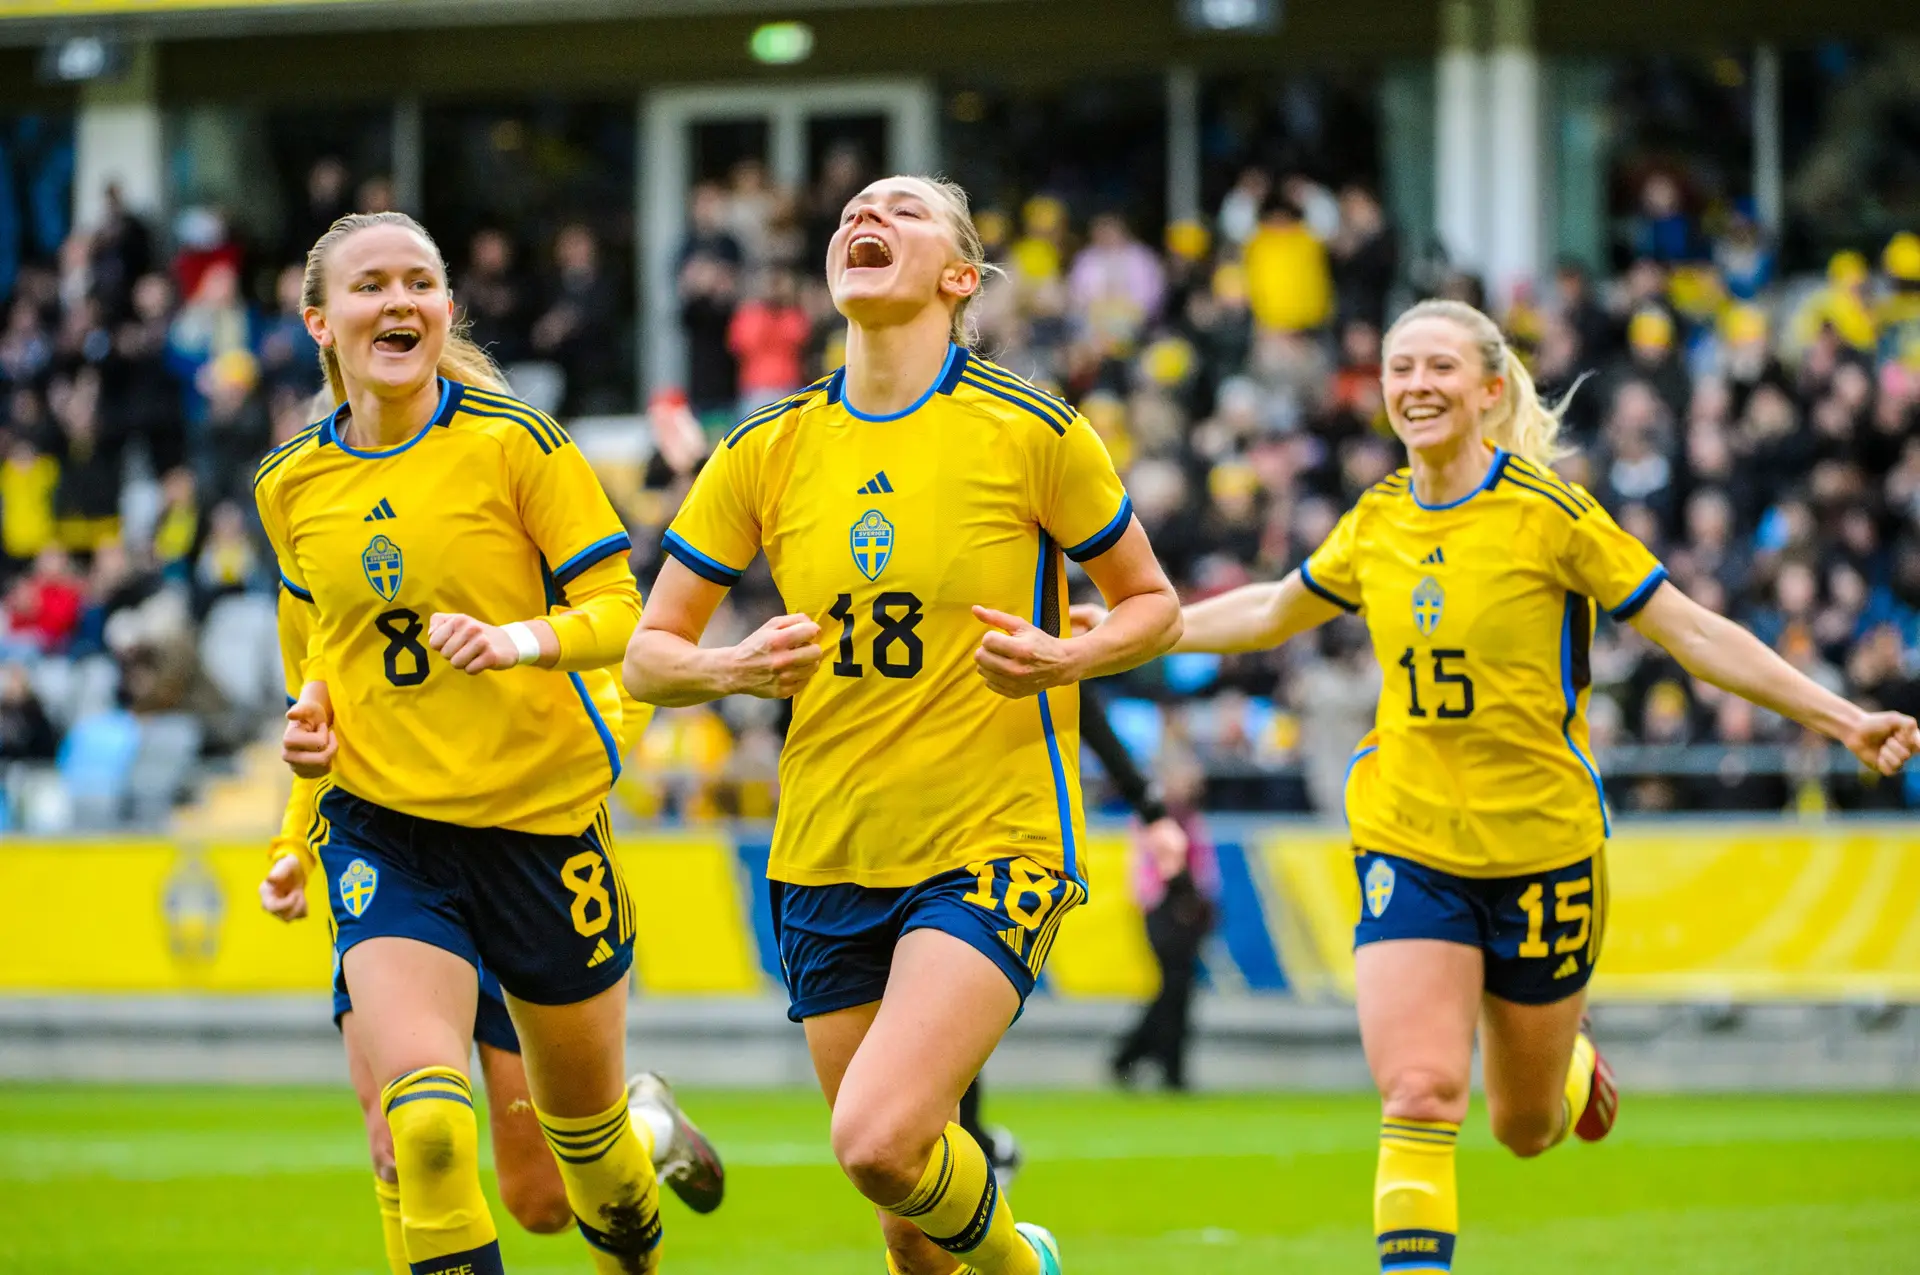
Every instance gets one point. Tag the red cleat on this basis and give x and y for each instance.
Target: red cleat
(1603, 1101)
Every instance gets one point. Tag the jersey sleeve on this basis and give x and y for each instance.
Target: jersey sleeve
(303, 803)
(717, 531)
(300, 654)
(1331, 571)
(1082, 503)
(567, 513)
(296, 634)
(1608, 565)
(267, 500)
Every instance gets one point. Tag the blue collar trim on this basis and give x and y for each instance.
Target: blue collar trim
(953, 352)
(449, 400)
(1493, 476)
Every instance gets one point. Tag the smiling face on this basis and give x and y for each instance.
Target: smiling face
(1435, 385)
(896, 253)
(385, 311)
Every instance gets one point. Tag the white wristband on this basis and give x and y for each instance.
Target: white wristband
(523, 640)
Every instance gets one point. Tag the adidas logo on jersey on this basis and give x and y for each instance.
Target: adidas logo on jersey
(1568, 968)
(1437, 558)
(876, 486)
(601, 952)
(381, 512)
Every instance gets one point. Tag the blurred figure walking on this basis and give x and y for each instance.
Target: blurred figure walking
(1176, 880)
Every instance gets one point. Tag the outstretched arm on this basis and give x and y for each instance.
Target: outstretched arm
(1254, 617)
(1715, 649)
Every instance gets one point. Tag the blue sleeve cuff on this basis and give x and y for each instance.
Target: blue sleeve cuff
(1314, 586)
(1108, 536)
(294, 589)
(699, 563)
(598, 551)
(1640, 596)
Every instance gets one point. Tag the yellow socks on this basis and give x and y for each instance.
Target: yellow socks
(436, 1150)
(959, 1207)
(1416, 1207)
(608, 1171)
(1579, 1085)
(388, 1195)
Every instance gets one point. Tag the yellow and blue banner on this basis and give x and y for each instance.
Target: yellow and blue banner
(1744, 911)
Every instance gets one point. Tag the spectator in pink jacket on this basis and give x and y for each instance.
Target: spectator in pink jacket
(767, 336)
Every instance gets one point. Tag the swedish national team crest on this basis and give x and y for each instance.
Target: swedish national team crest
(382, 564)
(872, 544)
(357, 886)
(1379, 886)
(1429, 600)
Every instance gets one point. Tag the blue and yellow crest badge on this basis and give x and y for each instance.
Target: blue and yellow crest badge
(382, 564)
(357, 886)
(872, 539)
(1429, 600)
(1379, 887)
(194, 906)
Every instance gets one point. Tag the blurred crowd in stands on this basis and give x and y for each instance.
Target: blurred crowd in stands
(1758, 432)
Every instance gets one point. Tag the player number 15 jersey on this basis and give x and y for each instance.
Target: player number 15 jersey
(1481, 613)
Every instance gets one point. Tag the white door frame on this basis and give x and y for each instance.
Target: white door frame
(667, 114)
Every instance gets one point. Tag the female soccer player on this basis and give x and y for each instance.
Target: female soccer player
(462, 811)
(1477, 814)
(918, 503)
(529, 1180)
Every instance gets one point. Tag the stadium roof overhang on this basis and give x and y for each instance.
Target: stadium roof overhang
(292, 49)
(31, 21)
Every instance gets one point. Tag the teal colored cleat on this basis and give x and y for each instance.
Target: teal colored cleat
(1043, 1243)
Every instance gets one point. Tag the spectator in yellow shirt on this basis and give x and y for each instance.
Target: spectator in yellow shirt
(27, 482)
(1288, 283)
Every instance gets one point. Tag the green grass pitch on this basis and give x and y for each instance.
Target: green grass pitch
(273, 1182)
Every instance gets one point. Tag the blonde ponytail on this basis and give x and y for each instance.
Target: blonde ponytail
(461, 360)
(1520, 422)
(952, 199)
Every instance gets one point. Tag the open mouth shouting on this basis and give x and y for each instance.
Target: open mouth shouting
(868, 252)
(396, 340)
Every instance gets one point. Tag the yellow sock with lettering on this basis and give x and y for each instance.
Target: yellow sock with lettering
(1416, 1207)
(1579, 1085)
(959, 1207)
(436, 1149)
(388, 1195)
(607, 1167)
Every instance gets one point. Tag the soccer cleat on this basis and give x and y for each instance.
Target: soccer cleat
(1003, 1153)
(688, 1163)
(1603, 1098)
(1044, 1245)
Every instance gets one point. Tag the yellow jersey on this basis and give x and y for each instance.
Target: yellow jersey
(1481, 613)
(302, 829)
(900, 763)
(491, 511)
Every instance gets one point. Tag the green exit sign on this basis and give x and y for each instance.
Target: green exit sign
(781, 43)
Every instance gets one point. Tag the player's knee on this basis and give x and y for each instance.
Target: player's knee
(539, 1207)
(1424, 1093)
(1525, 1133)
(431, 1119)
(879, 1156)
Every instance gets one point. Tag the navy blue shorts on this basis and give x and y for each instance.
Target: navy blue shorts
(492, 1025)
(1540, 932)
(836, 941)
(548, 916)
